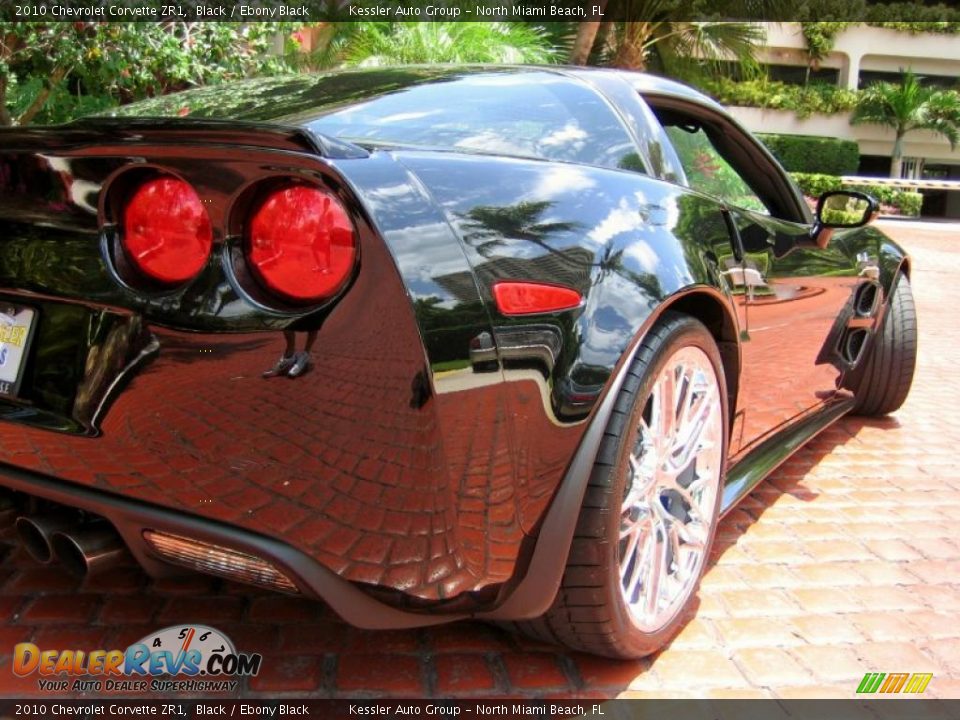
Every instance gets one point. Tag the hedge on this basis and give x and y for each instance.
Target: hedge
(809, 154)
(804, 101)
(905, 202)
(815, 184)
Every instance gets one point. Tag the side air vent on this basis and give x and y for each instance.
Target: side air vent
(852, 345)
(867, 299)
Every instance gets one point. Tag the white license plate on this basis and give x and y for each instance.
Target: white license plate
(15, 327)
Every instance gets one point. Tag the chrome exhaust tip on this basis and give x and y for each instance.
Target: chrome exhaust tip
(90, 549)
(36, 533)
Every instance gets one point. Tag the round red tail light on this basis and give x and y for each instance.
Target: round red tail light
(301, 244)
(166, 230)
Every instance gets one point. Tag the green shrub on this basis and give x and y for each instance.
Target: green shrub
(803, 100)
(883, 193)
(905, 202)
(808, 154)
(940, 18)
(820, 37)
(908, 202)
(815, 184)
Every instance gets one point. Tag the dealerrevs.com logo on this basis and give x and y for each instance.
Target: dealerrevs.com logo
(203, 655)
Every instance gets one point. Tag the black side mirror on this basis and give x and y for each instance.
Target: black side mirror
(839, 209)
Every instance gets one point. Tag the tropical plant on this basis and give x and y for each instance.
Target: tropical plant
(804, 100)
(384, 43)
(819, 37)
(684, 49)
(651, 36)
(116, 62)
(906, 107)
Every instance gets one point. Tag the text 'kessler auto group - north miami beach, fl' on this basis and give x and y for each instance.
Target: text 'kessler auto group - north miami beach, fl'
(479, 11)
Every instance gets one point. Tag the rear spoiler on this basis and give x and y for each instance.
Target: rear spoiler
(105, 130)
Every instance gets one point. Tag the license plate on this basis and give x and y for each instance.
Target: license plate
(16, 330)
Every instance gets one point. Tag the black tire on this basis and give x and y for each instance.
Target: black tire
(589, 613)
(888, 372)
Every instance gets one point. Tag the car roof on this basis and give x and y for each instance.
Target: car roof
(647, 84)
(291, 99)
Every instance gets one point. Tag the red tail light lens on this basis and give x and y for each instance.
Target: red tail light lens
(166, 230)
(526, 298)
(302, 245)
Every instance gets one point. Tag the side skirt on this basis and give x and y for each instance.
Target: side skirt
(743, 477)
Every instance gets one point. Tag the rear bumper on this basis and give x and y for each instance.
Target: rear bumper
(528, 596)
(131, 518)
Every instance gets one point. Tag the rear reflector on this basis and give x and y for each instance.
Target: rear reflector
(217, 560)
(526, 298)
(166, 230)
(301, 244)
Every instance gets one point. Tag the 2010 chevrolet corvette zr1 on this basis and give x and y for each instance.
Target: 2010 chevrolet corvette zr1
(426, 343)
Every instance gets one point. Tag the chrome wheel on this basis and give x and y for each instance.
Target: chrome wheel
(671, 489)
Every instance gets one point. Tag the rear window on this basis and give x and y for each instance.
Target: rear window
(537, 115)
(524, 113)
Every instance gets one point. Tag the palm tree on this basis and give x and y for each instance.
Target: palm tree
(681, 49)
(909, 106)
(651, 38)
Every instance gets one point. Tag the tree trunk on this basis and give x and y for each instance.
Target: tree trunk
(56, 77)
(583, 44)
(631, 53)
(896, 160)
(5, 119)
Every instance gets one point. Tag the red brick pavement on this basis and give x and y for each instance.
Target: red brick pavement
(846, 561)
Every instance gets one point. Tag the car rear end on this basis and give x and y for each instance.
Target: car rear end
(150, 273)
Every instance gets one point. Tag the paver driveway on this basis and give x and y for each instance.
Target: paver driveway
(846, 561)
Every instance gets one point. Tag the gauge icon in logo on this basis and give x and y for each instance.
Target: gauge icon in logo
(182, 639)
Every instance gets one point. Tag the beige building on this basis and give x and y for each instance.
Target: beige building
(862, 54)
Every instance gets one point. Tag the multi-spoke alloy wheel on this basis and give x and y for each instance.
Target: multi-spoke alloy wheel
(671, 490)
(650, 507)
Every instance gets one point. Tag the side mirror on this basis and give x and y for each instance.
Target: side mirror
(840, 209)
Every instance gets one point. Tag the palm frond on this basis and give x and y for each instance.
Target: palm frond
(694, 49)
(376, 44)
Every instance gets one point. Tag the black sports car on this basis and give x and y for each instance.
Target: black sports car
(426, 343)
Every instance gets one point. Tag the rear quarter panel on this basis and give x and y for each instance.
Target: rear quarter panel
(626, 242)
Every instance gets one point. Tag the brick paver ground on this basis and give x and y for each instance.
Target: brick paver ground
(847, 560)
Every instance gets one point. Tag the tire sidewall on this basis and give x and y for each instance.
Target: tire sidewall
(686, 331)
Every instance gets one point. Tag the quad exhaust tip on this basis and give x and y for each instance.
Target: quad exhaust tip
(89, 550)
(36, 533)
(83, 548)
